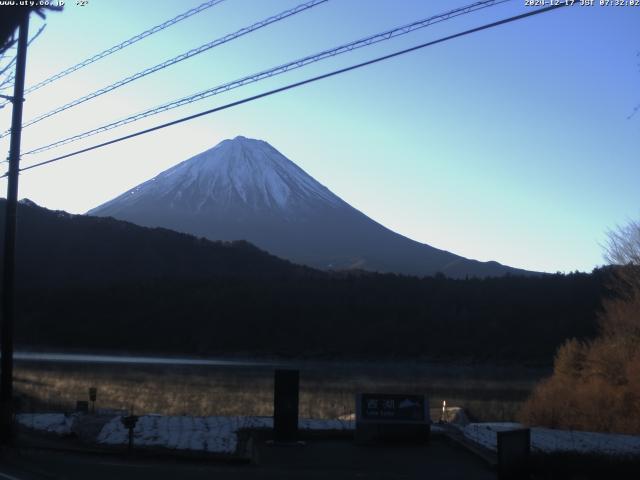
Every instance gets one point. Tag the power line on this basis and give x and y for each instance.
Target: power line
(120, 46)
(300, 83)
(301, 62)
(172, 61)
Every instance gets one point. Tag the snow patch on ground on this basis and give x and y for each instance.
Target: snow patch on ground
(210, 434)
(220, 434)
(58, 423)
(552, 441)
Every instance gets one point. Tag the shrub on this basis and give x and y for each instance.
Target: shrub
(595, 385)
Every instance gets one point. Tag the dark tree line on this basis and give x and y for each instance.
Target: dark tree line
(90, 283)
(362, 316)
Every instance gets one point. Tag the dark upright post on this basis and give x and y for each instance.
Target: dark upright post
(8, 272)
(285, 405)
(514, 447)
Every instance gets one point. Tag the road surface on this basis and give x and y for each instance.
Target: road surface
(333, 459)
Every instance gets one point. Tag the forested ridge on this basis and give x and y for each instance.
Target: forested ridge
(87, 283)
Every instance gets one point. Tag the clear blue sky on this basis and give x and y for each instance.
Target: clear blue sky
(511, 144)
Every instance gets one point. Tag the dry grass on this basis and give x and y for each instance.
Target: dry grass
(324, 392)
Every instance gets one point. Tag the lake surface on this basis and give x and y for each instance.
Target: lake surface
(140, 360)
(474, 370)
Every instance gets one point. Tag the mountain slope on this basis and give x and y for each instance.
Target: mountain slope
(246, 189)
(57, 250)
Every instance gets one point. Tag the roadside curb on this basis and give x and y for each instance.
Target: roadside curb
(35, 443)
(456, 437)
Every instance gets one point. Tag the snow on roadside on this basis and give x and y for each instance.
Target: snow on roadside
(552, 441)
(210, 434)
(58, 423)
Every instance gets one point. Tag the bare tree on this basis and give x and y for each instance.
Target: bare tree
(623, 246)
(596, 383)
(12, 16)
(7, 74)
(637, 107)
(621, 314)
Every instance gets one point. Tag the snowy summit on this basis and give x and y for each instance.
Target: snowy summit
(244, 189)
(238, 171)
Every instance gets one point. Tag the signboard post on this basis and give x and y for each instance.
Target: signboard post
(285, 405)
(392, 417)
(93, 393)
(129, 423)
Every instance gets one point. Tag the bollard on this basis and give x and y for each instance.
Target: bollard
(514, 447)
(285, 405)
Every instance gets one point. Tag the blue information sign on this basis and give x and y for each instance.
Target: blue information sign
(391, 407)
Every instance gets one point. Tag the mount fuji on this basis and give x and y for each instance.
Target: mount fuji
(244, 189)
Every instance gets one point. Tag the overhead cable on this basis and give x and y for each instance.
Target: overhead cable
(173, 61)
(120, 46)
(301, 83)
(301, 62)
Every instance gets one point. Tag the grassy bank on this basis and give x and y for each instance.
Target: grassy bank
(326, 391)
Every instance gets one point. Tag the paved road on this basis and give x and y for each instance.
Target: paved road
(335, 459)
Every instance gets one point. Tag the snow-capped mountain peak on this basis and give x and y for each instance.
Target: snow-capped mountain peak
(238, 170)
(244, 189)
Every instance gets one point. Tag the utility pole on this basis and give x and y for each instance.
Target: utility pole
(8, 272)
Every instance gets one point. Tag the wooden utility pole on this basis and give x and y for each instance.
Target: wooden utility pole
(8, 271)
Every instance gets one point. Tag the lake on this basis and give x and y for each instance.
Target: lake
(233, 386)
